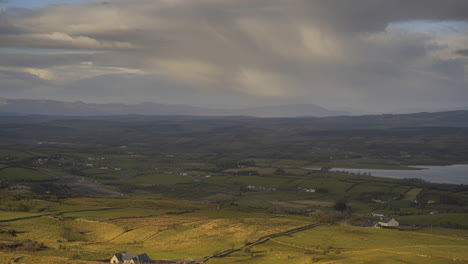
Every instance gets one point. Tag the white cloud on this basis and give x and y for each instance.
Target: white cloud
(41, 73)
(69, 73)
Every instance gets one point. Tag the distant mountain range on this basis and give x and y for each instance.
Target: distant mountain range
(61, 108)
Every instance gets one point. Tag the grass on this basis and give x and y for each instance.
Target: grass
(354, 245)
(195, 237)
(446, 232)
(304, 204)
(354, 241)
(412, 194)
(331, 185)
(259, 181)
(13, 153)
(11, 215)
(136, 202)
(260, 170)
(22, 174)
(67, 207)
(369, 163)
(453, 220)
(167, 218)
(162, 179)
(25, 258)
(115, 213)
(204, 231)
(376, 188)
(169, 236)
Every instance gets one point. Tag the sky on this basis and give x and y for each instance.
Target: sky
(367, 55)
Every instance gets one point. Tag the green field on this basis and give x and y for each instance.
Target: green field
(115, 213)
(97, 235)
(412, 194)
(188, 187)
(160, 179)
(22, 174)
(11, 215)
(368, 163)
(446, 220)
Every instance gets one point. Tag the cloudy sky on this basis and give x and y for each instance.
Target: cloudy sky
(374, 55)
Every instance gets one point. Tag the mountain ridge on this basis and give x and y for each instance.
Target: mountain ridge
(79, 108)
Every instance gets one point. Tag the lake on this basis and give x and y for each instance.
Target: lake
(455, 174)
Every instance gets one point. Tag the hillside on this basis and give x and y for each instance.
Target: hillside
(60, 108)
(423, 138)
(79, 189)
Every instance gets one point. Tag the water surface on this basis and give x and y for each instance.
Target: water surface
(455, 174)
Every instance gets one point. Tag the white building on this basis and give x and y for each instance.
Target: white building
(388, 222)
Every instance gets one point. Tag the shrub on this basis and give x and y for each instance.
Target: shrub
(26, 245)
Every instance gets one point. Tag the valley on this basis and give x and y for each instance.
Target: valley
(80, 189)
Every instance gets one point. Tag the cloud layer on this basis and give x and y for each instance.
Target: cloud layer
(372, 54)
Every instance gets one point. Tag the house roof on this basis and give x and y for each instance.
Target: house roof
(386, 219)
(128, 256)
(369, 224)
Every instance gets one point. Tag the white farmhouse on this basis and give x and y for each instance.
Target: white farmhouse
(388, 222)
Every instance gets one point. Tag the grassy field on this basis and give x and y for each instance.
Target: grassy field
(165, 236)
(454, 220)
(363, 245)
(11, 215)
(136, 202)
(165, 233)
(183, 189)
(15, 153)
(116, 213)
(22, 174)
(162, 179)
(368, 163)
(412, 194)
(447, 232)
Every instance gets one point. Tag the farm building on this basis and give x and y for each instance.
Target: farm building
(127, 258)
(371, 224)
(388, 222)
(378, 214)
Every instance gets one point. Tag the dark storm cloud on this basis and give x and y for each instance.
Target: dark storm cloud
(463, 52)
(337, 52)
(6, 27)
(15, 83)
(375, 15)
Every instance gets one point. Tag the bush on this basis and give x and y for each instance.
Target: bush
(341, 206)
(26, 245)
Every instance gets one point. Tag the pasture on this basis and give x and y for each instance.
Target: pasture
(22, 174)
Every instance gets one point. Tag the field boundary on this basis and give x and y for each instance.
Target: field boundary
(260, 240)
(58, 213)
